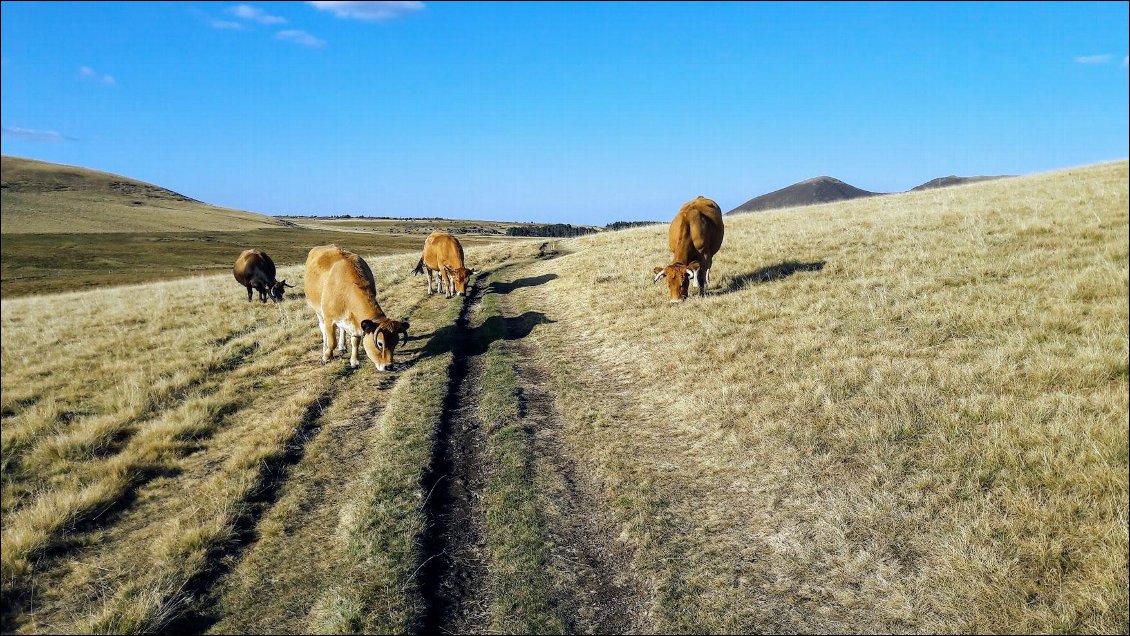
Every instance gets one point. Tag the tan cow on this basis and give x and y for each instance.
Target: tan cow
(341, 290)
(443, 254)
(254, 269)
(694, 238)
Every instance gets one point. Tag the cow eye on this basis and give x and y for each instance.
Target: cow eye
(380, 345)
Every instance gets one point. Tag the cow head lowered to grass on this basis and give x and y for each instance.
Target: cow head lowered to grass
(341, 291)
(678, 277)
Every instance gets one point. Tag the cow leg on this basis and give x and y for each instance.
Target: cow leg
(341, 341)
(249, 293)
(355, 343)
(329, 338)
(430, 292)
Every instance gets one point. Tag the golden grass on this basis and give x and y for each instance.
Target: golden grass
(46, 198)
(904, 413)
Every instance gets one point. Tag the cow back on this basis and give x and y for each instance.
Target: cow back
(337, 280)
(442, 248)
(696, 231)
(254, 267)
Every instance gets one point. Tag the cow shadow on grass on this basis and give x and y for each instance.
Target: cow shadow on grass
(499, 287)
(471, 341)
(771, 273)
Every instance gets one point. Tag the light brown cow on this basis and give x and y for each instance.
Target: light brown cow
(341, 290)
(694, 238)
(443, 254)
(254, 269)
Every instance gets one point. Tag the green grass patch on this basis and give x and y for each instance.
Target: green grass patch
(521, 600)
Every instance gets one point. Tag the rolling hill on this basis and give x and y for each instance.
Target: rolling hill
(954, 180)
(897, 414)
(807, 192)
(47, 198)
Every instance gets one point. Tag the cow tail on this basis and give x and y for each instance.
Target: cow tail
(419, 267)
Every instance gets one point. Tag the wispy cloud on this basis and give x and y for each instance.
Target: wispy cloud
(369, 11)
(102, 78)
(1094, 59)
(300, 37)
(225, 24)
(46, 136)
(248, 12)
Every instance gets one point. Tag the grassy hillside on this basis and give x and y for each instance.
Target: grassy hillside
(45, 198)
(894, 414)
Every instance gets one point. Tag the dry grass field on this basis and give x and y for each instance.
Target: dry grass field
(895, 414)
(48, 198)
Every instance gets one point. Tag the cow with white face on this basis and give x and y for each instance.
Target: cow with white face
(341, 290)
(694, 237)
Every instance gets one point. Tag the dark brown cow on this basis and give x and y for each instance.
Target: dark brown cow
(444, 254)
(341, 291)
(694, 238)
(254, 269)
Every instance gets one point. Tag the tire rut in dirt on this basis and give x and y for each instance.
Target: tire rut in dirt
(453, 576)
(200, 614)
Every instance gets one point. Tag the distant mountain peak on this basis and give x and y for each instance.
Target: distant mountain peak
(822, 189)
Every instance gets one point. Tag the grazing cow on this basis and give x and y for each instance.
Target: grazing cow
(255, 270)
(341, 290)
(694, 238)
(443, 254)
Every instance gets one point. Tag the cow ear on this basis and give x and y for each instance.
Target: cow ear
(693, 267)
(368, 326)
(403, 330)
(659, 273)
(286, 284)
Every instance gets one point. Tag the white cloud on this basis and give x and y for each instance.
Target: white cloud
(248, 12)
(47, 136)
(1094, 59)
(369, 11)
(300, 37)
(225, 24)
(95, 76)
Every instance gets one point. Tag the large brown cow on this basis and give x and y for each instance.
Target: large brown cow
(254, 269)
(341, 290)
(694, 238)
(443, 254)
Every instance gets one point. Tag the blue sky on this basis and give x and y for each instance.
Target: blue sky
(557, 112)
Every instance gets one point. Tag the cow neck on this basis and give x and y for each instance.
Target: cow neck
(365, 307)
